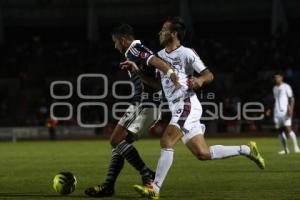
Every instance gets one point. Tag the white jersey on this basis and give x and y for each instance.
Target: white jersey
(183, 61)
(282, 93)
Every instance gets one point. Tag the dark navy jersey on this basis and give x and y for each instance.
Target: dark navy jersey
(141, 55)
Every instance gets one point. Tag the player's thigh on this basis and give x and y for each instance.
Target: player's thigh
(198, 146)
(288, 124)
(129, 116)
(279, 121)
(182, 114)
(174, 132)
(143, 122)
(170, 136)
(191, 125)
(194, 135)
(120, 132)
(287, 129)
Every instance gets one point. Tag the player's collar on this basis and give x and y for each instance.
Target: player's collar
(173, 49)
(131, 45)
(281, 84)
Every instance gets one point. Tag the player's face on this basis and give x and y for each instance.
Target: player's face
(278, 79)
(118, 44)
(165, 35)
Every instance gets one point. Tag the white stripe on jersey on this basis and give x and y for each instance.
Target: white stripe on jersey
(132, 45)
(134, 52)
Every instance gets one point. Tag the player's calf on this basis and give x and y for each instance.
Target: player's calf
(203, 155)
(119, 134)
(199, 148)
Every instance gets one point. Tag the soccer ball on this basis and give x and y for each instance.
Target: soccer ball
(64, 183)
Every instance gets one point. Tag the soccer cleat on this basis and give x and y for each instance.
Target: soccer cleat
(283, 152)
(255, 155)
(297, 150)
(148, 179)
(100, 191)
(146, 191)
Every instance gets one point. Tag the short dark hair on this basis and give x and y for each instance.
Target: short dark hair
(280, 73)
(177, 25)
(123, 30)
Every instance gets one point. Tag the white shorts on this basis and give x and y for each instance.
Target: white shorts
(186, 115)
(282, 121)
(138, 119)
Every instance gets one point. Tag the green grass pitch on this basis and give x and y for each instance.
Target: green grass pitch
(27, 170)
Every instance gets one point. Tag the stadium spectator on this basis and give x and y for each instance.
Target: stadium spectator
(51, 125)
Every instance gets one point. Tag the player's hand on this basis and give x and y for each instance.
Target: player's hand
(268, 113)
(174, 79)
(129, 65)
(195, 83)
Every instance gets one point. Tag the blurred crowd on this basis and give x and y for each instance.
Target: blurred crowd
(243, 68)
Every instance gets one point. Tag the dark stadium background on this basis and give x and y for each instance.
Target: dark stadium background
(242, 42)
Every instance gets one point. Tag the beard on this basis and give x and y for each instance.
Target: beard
(166, 41)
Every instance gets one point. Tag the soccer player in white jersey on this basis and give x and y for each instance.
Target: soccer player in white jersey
(186, 109)
(283, 112)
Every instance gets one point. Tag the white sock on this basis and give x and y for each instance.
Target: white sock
(220, 151)
(164, 163)
(283, 140)
(294, 139)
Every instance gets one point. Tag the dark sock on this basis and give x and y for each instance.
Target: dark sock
(130, 153)
(115, 167)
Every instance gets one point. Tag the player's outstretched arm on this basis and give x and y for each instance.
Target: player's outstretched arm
(269, 106)
(291, 106)
(205, 77)
(151, 81)
(165, 68)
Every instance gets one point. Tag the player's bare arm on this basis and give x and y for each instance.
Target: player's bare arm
(151, 81)
(205, 77)
(268, 111)
(291, 106)
(165, 68)
(157, 63)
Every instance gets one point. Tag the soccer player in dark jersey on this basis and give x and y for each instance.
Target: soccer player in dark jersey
(140, 116)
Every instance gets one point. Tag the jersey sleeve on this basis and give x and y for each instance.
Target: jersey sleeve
(194, 60)
(289, 91)
(140, 54)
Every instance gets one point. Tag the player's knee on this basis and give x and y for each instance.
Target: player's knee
(114, 142)
(288, 129)
(165, 143)
(203, 155)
